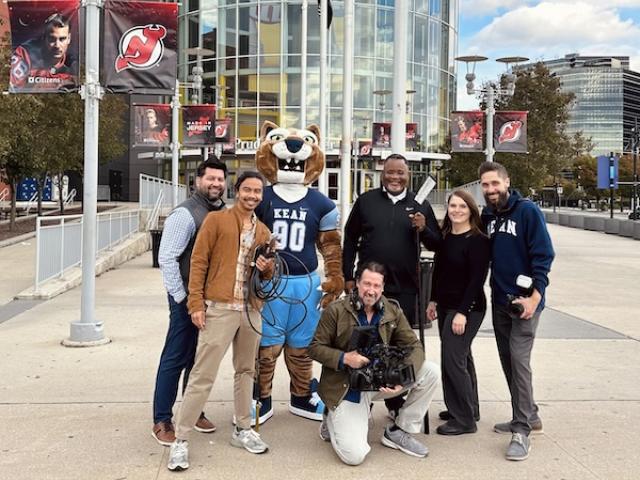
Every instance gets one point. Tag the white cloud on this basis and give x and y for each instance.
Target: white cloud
(550, 30)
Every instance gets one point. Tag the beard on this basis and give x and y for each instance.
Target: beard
(500, 202)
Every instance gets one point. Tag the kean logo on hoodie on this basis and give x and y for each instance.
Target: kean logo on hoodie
(508, 226)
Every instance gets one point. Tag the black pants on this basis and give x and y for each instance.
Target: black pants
(459, 381)
(407, 302)
(514, 337)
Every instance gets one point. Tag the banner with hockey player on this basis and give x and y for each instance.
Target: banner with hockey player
(44, 42)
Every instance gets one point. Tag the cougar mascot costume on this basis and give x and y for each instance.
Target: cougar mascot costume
(302, 219)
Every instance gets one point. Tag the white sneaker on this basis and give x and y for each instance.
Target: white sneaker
(179, 456)
(248, 439)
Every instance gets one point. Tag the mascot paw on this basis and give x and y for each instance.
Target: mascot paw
(333, 285)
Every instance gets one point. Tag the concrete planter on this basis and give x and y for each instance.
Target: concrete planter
(564, 219)
(576, 221)
(595, 224)
(636, 230)
(626, 228)
(612, 225)
(551, 217)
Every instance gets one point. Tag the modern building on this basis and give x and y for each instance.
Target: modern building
(250, 52)
(607, 98)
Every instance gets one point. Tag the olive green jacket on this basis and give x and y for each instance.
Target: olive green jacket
(332, 339)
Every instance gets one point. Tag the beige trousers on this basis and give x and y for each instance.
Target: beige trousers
(222, 328)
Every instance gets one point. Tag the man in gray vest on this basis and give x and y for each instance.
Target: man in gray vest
(178, 239)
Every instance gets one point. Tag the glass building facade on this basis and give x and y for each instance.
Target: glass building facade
(607, 99)
(250, 52)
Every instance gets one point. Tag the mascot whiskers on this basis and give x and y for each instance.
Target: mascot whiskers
(303, 220)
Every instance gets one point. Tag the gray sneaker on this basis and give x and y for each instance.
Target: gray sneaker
(178, 456)
(248, 439)
(519, 447)
(324, 430)
(401, 440)
(505, 428)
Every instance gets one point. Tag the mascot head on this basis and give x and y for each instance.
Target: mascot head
(289, 155)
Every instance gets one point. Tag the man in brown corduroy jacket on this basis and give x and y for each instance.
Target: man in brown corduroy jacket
(221, 263)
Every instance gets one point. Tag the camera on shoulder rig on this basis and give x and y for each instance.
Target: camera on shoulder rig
(525, 285)
(386, 367)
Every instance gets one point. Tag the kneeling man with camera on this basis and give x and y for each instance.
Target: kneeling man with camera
(368, 352)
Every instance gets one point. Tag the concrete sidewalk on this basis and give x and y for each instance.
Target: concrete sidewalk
(86, 413)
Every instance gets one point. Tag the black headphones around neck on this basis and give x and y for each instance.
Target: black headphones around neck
(357, 304)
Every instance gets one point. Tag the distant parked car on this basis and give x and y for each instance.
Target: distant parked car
(635, 215)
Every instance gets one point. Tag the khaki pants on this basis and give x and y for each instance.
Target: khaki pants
(349, 423)
(223, 328)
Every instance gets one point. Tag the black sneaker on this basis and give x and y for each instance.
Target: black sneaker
(310, 407)
(445, 415)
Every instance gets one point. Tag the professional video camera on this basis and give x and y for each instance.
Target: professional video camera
(525, 284)
(387, 367)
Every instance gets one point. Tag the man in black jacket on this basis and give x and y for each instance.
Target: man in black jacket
(384, 226)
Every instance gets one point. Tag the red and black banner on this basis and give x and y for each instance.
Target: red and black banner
(364, 148)
(510, 132)
(198, 122)
(45, 44)
(140, 46)
(223, 131)
(381, 135)
(411, 136)
(467, 131)
(151, 125)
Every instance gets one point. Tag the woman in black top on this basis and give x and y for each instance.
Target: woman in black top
(459, 305)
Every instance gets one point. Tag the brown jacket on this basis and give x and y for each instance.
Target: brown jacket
(215, 257)
(332, 339)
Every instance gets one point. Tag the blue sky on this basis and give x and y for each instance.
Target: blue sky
(544, 30)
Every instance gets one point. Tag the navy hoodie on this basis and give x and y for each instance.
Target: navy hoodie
(520, 246)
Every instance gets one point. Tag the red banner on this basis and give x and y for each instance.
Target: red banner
(467, 131)
(510, 132)
(223, 130)
(45, 41)
(152, 125)
(140, 46)
(381, 137)
(411, 136)
(198, 125)
(364, 148)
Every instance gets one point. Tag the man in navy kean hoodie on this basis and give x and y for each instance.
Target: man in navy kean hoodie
(520, 246)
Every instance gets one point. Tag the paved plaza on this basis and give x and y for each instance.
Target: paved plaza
(86, 413)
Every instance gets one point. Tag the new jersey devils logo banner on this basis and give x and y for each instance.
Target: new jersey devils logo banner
(140, 43)
(467, 131)
(45, 41)
(223, 130)
(510, 132)
(151, 125)
(198, 122)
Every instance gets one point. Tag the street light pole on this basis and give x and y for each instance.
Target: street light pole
(89, 331)
(636, 145)
(175, 145)
(489, 127)
(347, 110)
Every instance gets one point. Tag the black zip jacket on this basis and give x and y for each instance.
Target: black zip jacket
(380, 231)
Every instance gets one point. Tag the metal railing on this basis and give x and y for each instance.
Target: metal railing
(32, 202)
(71, 196)
(150, 188)
(439, 197)
(155, 213)
(59, 240)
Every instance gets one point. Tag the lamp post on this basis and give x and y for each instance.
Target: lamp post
(489, 91)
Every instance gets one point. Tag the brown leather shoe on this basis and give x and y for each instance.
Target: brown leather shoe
(164, 433)
(204, 425)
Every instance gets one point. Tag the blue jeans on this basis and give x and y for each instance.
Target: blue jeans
(177, 355)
